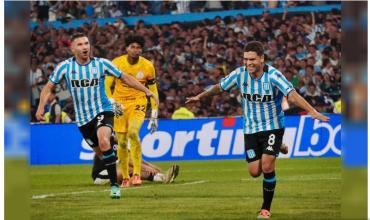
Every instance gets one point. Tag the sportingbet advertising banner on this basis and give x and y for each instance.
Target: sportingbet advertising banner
(194, 139)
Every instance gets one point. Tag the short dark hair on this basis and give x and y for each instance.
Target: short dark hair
(77, 35)
(134, 39)
(254, 46)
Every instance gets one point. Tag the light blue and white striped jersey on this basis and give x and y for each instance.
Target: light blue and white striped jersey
(262, 97)
(86, 85)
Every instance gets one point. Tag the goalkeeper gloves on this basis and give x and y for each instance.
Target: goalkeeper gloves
(117, 108)
(153, 123)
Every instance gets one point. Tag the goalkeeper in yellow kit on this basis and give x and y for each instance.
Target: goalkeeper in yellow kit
(134, 103)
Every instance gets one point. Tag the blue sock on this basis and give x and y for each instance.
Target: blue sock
(109, 158)
(269, 183)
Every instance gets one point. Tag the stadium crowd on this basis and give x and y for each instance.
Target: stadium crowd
(65, 11)
(305, 47)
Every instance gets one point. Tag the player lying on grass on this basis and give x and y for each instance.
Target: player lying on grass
(149, 172)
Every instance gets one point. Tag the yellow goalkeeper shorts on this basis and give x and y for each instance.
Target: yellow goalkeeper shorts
(134, 112)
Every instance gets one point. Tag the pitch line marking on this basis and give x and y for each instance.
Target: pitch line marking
(44, 196)
(299, 179)
(245, 169)
(191, 183)
(60, 194)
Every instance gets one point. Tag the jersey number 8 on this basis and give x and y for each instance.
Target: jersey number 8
(271, 140)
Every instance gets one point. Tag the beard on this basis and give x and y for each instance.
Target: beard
(255, 69)
(85, 54)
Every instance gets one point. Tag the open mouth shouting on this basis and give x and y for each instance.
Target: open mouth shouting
(251, 68)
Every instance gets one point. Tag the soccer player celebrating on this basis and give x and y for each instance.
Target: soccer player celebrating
(263, 88)
(84, 76)
(135, 103)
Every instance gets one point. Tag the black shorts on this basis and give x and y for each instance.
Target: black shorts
(89, 130)
(264, 142)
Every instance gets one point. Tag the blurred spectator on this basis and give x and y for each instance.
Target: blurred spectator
(42, 8)
(49, 10)
(69, 109)
(197, 6)
(182, 113)
(37, 80)
(338, 107)
(55, 113)
(312, 94)
(213, 5)
(55, 110)
(331, 88)
(114, 12)
(89, 9)
(182, 6)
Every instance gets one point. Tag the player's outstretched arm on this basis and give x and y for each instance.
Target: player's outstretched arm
(213, 90)
(132, 82)
(301, 102)
(44, 96)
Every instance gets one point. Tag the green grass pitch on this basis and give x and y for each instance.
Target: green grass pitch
(217, 189)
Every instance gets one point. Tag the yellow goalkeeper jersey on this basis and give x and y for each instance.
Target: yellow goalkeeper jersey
(143, 71)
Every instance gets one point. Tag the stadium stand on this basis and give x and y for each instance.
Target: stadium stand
(65, 11)
(305, 47)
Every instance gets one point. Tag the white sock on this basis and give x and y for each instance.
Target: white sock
(159, 177)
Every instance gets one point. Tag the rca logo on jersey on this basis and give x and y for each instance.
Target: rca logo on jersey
(257, 97)
(85, 82)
